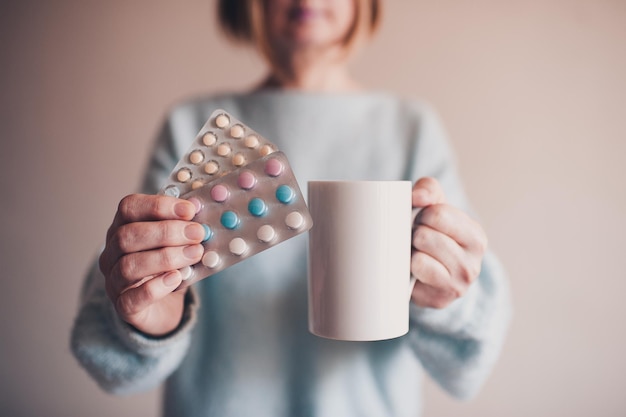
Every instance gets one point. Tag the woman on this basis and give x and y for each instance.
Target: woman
(246, 349)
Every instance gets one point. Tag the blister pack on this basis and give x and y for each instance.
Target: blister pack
(223, 145)
(249, 196)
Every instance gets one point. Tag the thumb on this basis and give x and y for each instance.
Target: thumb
(427, 191)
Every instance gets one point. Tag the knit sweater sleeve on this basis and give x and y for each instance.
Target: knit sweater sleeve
(120, 358)
(457, 345)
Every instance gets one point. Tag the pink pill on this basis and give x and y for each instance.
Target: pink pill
(246, 180)
(273, 167)
(219, 193)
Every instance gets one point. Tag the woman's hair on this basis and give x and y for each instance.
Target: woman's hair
(243, 20)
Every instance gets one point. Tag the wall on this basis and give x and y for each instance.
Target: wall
(533, 96)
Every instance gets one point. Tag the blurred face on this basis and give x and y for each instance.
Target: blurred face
(294, 25)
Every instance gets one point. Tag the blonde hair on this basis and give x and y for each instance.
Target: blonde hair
(244, 21)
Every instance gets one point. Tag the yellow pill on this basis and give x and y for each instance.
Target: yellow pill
(222, 121)
(223, 149)
(209, 139)
(266, 150)
(237, 131)
(196, 157)
(251, 141)
(211, 167)
(183, 175)
(239, 159)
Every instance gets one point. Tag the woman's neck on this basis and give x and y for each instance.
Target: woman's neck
(311, 72)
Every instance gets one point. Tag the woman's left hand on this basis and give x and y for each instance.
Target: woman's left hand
(448, 247)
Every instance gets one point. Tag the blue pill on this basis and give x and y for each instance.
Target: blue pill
(285, 194)
(230, 220)
(257, 207)
(208, 233)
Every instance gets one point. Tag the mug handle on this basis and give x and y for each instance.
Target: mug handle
(413, 279)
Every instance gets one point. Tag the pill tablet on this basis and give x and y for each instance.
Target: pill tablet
(219, 193)
(294, 220)
(257, 207)
(285, 194)
(197, 184)
(238, 246)
(230, 220)
(273, 167)
(266, 233)
(211, 167)
(196, 157)
(186, 272)
(208, 233)
(237, 131)
(239, 159)
(223, 149)
(251, 141)
(266, 150)
(183, 175)
(246, 180)
(209, 139)
(211, 259)
(222, 121)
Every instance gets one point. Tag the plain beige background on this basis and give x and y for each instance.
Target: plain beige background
(533, 96)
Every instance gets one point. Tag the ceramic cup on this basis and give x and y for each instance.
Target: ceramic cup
(359, 279)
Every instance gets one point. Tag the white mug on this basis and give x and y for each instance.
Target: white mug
(359, 280)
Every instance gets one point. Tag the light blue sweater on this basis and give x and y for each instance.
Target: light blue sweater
(246, 350)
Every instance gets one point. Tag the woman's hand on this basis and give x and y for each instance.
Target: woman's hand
(150, 239)
(448, 248)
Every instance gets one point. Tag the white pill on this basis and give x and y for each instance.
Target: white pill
(251, 141)
(197, 184)
(209, 139)
(294, 220)
(211, 259)
(237, 131)
(186, 272)
(222, 121)
(237, 246)
(266, 233)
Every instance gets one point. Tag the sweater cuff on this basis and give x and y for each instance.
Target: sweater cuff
(485, 308)
(144, 344)
(460, 317)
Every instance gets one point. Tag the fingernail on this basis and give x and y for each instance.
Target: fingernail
(195, 232)
(184, 210)
(171, 279)
(193, 251)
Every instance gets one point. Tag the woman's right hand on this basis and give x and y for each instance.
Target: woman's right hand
(151, 238)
